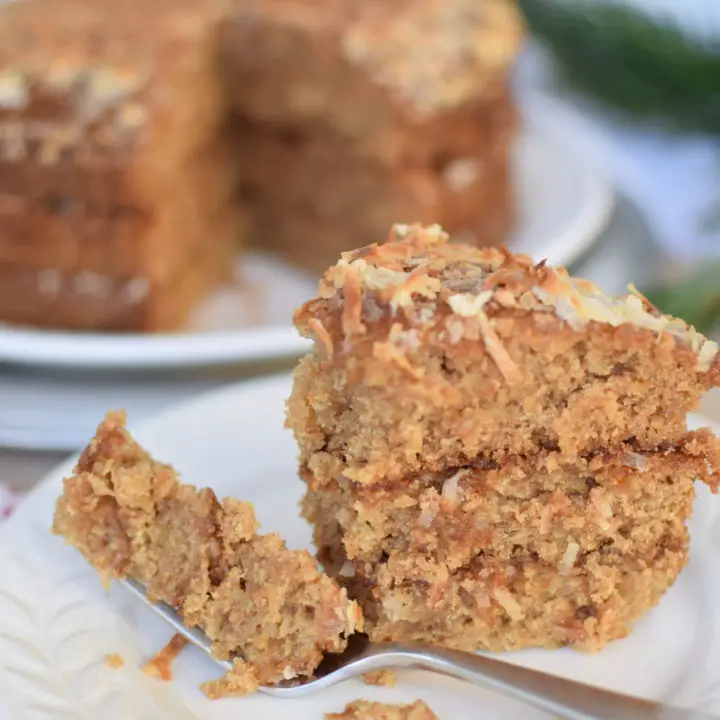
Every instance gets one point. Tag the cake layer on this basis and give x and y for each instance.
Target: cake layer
(265, 606)
(497, 605)
(429, 354)
(543, 508)
(58, 233)
(83, 85)
(66, 233)
(102, 189)
(395, 79)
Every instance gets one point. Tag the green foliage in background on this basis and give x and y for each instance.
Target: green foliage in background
(695, 299)
(647, 69)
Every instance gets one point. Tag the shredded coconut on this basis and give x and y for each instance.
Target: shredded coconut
(635, 461)
(508, 603)
(569, 557)
(451, 491)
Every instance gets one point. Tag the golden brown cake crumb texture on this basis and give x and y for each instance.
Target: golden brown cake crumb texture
(524, 553)
(266, 607)
(365, 710)
(381, 677)
(496, 454)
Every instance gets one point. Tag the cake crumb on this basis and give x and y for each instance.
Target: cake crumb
(365, 710)
(114, 660)
(242, 680)
(160, 665)
(381, 677)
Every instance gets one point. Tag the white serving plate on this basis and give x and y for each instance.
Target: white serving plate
(57, 624)
(563, 206)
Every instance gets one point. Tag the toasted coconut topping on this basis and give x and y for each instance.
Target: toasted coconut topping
(569, 557)
(420, 277)
(322, 335)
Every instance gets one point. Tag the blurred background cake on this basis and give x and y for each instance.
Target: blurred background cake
(141, 145)
(116, 205)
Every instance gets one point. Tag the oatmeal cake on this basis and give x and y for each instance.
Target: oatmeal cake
(264, 606)
(365, 710)
(142, 143)
(496, 454)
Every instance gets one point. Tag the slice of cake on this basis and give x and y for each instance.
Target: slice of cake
(353, 115)
(496, 454)
(117, 189)
(264, 606)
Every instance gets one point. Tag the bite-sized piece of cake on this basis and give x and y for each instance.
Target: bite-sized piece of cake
(266, 607)
(533, 551)
(429, 355)
(117, 190)
(353, 115)
(366, 710)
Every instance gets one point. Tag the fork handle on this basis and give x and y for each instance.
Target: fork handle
(567, 699)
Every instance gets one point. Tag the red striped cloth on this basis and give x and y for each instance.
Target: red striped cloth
(9, 500)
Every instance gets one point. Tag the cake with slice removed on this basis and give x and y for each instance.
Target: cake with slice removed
(141, 144)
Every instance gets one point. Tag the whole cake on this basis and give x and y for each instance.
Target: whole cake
(496, 454)
(140, 142)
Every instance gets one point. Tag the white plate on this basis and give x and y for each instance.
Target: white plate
(563, 205)
(59, 412)
(57, 624)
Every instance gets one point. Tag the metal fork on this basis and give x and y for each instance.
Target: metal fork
(563, 698)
